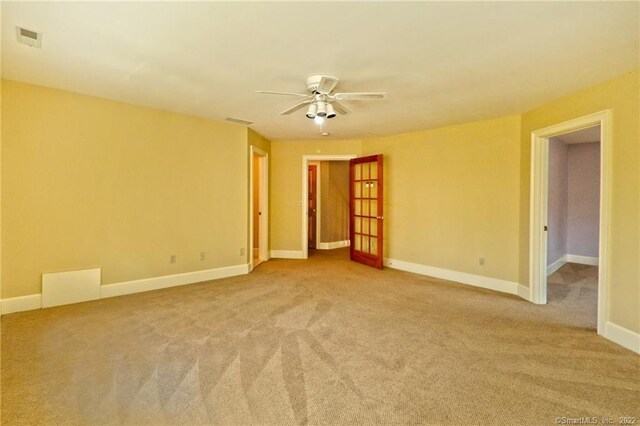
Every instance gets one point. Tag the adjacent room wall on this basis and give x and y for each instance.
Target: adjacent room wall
(88, 182)
(583, 164)
(621, 96)
(334, 196)
(557, 204)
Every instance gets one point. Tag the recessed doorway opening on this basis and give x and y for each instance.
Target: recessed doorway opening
(259, 207)
(325, 219)
(573, 213)
(546, 207)
(328, 205)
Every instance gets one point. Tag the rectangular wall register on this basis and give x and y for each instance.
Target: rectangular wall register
(63, 288)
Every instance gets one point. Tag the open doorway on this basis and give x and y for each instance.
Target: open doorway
(325, 240)
(327, 205)
(541, 261)
(259, 205)
(573, 213)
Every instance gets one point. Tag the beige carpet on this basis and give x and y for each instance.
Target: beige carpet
(323, 341)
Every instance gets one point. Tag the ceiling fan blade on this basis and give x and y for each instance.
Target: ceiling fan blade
(360, 96)
(340, 108)
(266, 92)
(296, 107)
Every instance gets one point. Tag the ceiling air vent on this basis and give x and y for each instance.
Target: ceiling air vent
(29, 37)
(239, 121)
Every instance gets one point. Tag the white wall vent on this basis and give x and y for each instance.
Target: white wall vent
(29, 37)
(239, 121)
(63, 288)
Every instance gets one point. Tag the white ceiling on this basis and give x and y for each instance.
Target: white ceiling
(441, 63)
(590, 134)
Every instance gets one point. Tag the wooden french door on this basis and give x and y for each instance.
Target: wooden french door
(365, 210)
(312, 205)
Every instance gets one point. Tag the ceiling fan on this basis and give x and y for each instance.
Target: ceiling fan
(322, 103)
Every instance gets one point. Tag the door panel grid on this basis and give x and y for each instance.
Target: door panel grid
(366, 193)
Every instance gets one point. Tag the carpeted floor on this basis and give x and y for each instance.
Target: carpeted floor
(322, 341)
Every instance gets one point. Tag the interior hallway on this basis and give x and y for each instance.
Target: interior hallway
(318, 341)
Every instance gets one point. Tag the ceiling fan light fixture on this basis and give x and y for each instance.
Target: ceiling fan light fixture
(330, 112)
(322, 109)
(311, 112)
(319, 120)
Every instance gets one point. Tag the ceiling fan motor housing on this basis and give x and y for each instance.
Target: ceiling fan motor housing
(322, 84)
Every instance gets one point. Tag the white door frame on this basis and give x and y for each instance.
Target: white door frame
(263, 221)
(305, 192)
(539, 200)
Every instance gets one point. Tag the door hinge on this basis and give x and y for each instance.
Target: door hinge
(546, 228)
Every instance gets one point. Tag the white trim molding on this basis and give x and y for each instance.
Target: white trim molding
(496, 284)
(156, 283)
(22, 303)
(556, 265)
(523, 292)
(538, 207)
(334, 245)
(286, 254)
(582, 260)
(623, 336)
(572, 258)
(34, 301)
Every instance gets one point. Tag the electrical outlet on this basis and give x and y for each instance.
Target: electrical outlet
(242, 251)
(203, 255)
(482, 261)
(172, 259)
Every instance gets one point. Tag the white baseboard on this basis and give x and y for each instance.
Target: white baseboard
(22, 303)
(461, 277)
(334, 245)
(571, 258)
(523, 292)
(583, 260)
(34, 301)
(556, 265)
(623, 336)
(156, 283)
(286, 254)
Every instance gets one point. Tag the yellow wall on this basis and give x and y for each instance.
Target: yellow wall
(621, 95)
(286, 186)
(452, 196)
(88, 182)
(259, 141)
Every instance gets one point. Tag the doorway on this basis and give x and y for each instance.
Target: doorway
(259, 207)
(312, 205)
(573, 222)
(307, 161)
(540, 218)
